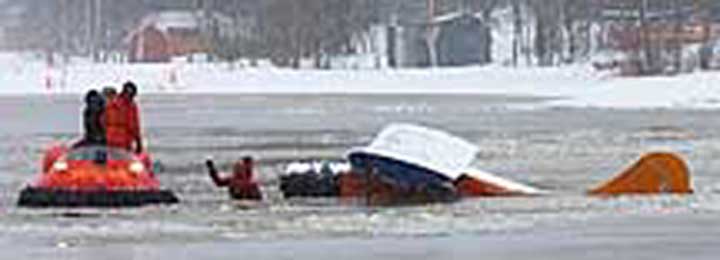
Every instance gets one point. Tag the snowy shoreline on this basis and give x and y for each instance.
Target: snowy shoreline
(577, 86)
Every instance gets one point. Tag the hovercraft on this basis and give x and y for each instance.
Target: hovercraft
(95, 176)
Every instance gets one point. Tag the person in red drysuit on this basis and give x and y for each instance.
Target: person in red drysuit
(241, 185)
(122, 120)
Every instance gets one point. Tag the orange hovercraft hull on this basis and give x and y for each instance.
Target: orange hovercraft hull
(113, 178)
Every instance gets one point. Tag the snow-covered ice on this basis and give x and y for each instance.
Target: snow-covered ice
(577, 85)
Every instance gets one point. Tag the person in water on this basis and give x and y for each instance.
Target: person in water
(93, 125)
(122, 120)
(241, 185)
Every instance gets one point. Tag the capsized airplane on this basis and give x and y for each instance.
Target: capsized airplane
(410, 163)
(425, 165)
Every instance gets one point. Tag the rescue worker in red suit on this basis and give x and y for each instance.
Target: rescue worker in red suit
(241, 185)
(122, 120)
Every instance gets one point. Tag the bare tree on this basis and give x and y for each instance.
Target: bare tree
(294, 30)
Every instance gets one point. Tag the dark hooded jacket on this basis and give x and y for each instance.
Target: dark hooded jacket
(93, 119)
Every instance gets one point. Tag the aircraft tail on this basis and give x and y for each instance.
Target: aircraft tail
(658, 172)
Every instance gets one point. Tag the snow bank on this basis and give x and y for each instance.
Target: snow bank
(697, 90)
(578, 85)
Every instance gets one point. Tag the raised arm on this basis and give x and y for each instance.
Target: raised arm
(219, 181)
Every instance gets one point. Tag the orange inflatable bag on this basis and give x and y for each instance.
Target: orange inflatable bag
(659, 172)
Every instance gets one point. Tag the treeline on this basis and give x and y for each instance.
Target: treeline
(288, 31)
(284, 30)
(545, 32)
(551, 32)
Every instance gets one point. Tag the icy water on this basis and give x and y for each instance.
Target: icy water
(564, 150)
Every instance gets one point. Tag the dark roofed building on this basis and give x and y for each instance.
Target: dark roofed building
(462, 40)
(457, 39)
(453, 36)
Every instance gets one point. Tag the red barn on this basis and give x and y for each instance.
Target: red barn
(148, 45)
(161, 36)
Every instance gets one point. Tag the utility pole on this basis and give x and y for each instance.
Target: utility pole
(93, 9)
(376, 21)
(678, 38)
(88, 48)
(63, 32)
(99, 33)
(645, 43)
(392, 42)
(517, 23)
(431, 33)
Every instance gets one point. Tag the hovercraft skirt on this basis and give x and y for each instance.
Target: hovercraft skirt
(43, 197)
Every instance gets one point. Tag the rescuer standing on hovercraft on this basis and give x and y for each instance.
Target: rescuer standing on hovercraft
(93, 117)
(109, 93)
(241, 185)
(122, 120)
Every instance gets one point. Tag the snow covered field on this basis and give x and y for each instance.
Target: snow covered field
(578, 86)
